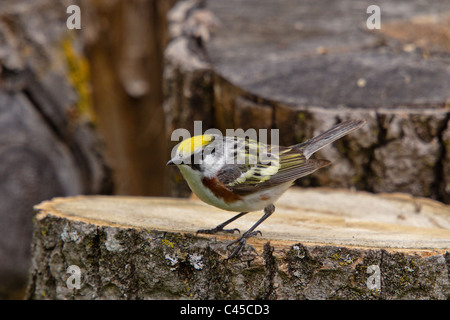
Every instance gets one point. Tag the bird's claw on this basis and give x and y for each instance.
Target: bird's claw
(241, 242)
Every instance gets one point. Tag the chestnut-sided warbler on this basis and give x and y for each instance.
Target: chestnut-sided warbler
(243, 175)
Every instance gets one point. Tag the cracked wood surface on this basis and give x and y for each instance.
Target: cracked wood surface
(319, 244)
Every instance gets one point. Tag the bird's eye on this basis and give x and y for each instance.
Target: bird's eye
(209, 150)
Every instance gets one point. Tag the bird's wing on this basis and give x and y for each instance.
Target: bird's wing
(289, 165)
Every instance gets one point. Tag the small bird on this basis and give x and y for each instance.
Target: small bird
(243, 175)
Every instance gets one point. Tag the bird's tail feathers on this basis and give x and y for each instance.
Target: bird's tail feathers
(313, 145)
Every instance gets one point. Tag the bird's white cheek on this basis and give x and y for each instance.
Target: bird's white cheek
(212, 165)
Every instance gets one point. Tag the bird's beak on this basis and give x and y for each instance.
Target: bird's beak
(170, 163)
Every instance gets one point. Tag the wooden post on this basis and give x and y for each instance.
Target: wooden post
(124, 42)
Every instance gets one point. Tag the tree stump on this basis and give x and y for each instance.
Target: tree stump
(319, 244)
(303, 66)
(48, 146)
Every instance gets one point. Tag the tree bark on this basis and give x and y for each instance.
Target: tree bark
(319, 244)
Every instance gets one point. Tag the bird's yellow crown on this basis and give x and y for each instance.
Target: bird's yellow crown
(188, 146)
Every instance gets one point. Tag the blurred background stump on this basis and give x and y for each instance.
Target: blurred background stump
(48, 145)
(301, 67)
(319, 244)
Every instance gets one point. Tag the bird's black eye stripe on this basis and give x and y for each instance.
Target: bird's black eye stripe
(195, 162)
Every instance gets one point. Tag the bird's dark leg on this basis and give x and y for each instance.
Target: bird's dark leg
(250, 232)
(220, 227)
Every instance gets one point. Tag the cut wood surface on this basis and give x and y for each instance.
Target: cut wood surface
(327, 217)
(319, 244)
